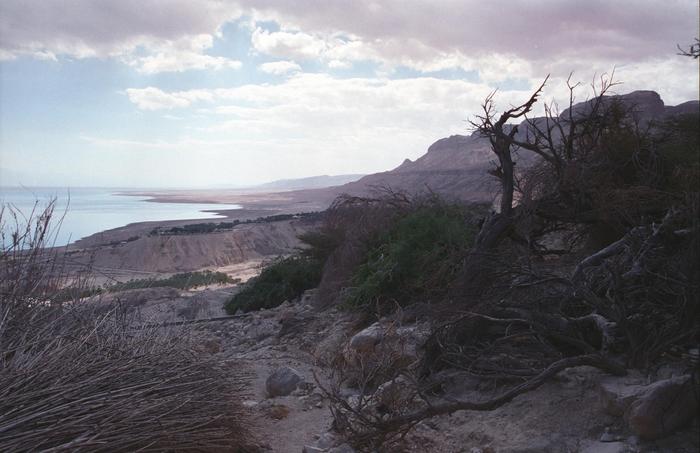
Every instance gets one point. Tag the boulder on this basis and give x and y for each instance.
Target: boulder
(617, 396)
(327, 440)
(366, 339)
(384, 340)
(664, 407)
(283, 381)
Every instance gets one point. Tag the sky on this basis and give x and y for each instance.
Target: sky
(211, 93)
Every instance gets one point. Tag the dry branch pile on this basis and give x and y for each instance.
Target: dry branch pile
(591, 259)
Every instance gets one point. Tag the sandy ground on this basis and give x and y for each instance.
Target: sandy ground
(292, 201)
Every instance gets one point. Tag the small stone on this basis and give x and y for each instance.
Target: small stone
(605, 447)
(283, 381)
(327, 440)
(250, 403)
(311, 449)
(609, 436)
(278, 412)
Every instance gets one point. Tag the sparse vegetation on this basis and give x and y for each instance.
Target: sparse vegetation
(77, 377)
(185, 280)
(211, 227)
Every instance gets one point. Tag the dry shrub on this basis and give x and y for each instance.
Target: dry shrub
(386, 386)
(395, 249)
(73, 378)
(354, 220)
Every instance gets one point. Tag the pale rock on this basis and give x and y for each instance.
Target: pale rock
(283, 381)
(605, 447)
(664, 407)
(366, 339)
(343, 448)
(249, 403)
(327, 440)
(617, 396)
(312, 449)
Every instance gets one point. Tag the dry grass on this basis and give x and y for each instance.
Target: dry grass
(73, 378)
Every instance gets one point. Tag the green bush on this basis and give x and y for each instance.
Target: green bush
(184, 280)
(285, 279)
(418, 256)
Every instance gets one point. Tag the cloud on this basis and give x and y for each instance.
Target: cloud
(280, 67)
(295, 45)
(497, 40)
(181, 55)
(623, 30)
(151, 35)
(152, 98)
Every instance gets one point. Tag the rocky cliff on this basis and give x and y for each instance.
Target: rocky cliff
(456, 166)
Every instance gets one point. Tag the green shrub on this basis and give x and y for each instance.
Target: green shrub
(285, 279)
(418, 256)
(184, 280)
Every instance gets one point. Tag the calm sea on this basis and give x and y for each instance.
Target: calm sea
(89, 211)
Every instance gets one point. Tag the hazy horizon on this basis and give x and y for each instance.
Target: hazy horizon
(208, 94)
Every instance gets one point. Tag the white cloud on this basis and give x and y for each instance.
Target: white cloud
(280, 67)
(330, 124)
(150, 35)
(295, 45)
(184, 54)
(339, 64)
(625, 30)
(152, 98)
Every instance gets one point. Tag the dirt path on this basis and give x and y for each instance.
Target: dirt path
(285, 423)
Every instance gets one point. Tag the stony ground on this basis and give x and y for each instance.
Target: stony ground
(565, 415)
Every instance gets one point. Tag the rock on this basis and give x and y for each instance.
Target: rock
(396, 395)
(609, 436)
(249, 403)
(383, 340)
(312, 400)
(278, 411)
(343, 448)
(312, 449)
(308, 297)
(664, 407)
(549, 444)
(366, 339)
(617, 396)
(283, 381)
(327, 440)
(293, 324)
(605, 447)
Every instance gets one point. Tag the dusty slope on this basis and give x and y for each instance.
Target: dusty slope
(235, 252)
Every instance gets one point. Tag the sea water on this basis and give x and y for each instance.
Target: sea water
(85, 211)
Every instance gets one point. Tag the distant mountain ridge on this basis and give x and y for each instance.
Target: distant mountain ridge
(456, 166)
(312, 182)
